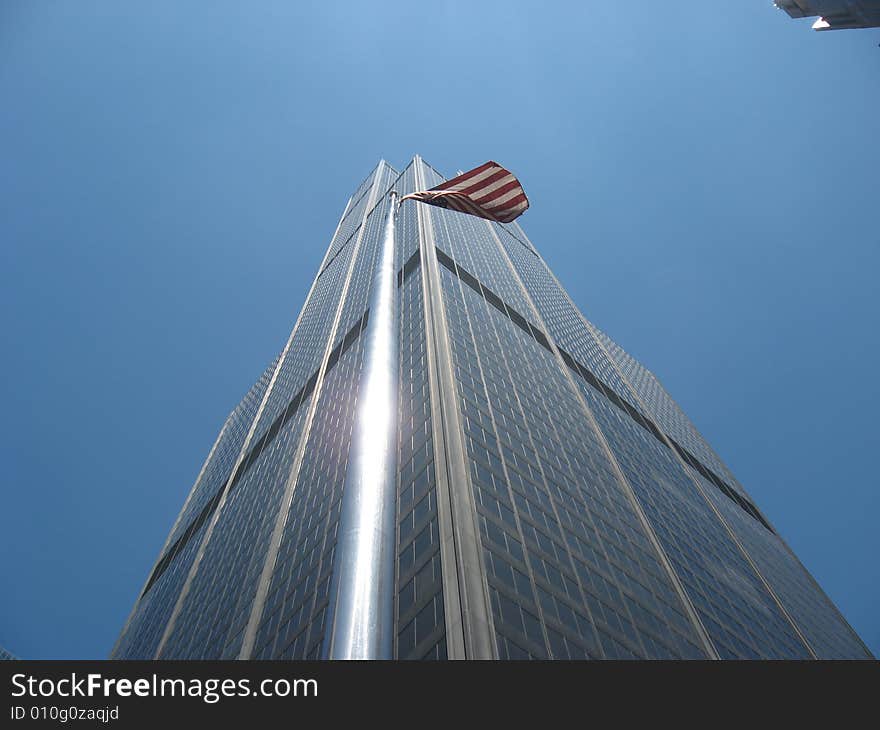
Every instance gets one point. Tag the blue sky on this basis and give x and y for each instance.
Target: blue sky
(703, 180)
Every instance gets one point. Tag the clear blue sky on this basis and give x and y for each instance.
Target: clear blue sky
(703, 179)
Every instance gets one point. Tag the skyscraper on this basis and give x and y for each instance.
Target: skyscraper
(550, 499)
(834, 14)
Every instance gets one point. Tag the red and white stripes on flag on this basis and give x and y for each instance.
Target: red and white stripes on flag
(488, 191)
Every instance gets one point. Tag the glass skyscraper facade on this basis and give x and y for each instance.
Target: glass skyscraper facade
(552, 500)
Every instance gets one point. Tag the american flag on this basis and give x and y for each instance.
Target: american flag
(488, 191)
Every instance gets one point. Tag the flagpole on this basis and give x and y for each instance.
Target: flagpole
(360, 618)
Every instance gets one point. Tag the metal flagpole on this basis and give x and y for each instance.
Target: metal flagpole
(360, 617)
